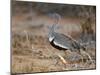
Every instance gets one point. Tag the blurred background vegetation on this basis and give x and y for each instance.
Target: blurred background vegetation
(30, 21)
(88, 13)
(62, 9)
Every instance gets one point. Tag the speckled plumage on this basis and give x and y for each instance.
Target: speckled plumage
(61, 41)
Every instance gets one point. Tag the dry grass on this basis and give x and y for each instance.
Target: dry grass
(33, 53)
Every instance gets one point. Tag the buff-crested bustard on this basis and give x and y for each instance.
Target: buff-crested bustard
(63, 42)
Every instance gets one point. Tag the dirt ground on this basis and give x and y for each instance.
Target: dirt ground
(32, 52)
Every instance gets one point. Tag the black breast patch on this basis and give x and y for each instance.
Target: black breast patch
(56, 46)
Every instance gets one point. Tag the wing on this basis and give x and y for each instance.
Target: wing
(63, 41)
(60, 45)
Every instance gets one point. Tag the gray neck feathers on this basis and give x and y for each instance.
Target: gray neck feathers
(57, 19)
(51, 30)
(53, 27)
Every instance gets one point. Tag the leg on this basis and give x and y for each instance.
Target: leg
(62, 59)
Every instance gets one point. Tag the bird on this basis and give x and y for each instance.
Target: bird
(64, 42)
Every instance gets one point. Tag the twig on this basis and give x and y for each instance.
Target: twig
(27, 38)
(84, 52)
